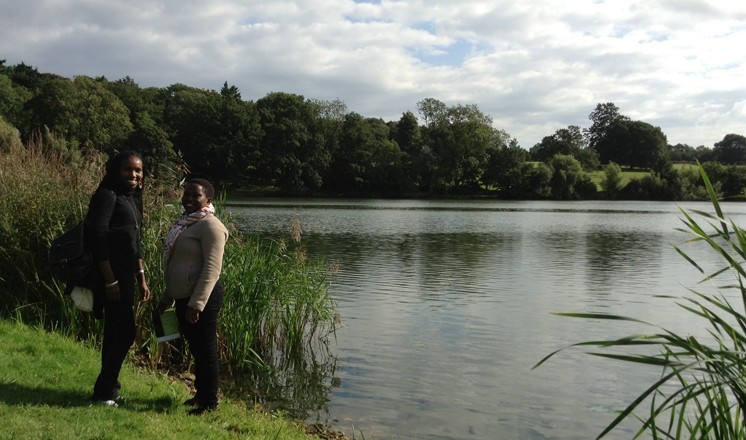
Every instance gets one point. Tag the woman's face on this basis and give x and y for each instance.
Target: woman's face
(194, 198)
(130, 173)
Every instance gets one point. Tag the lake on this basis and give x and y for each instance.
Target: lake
(447, 305)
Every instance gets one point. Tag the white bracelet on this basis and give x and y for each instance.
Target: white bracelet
(141, 271)
(112, 284)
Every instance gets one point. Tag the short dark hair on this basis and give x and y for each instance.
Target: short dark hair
(207, 186)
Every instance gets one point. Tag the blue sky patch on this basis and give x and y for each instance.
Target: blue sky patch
(453, 55)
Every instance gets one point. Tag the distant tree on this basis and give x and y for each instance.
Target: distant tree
(408, 136)
(433, 112)
(664, 184)
(537, 181)
(149, 136)
(216, 133)
(82, 111)
(731, 150)
(588, 158)
(682, 153)
(603, 118)
(635, 144)
(611, 183)
(648, 187)
(292, 148)
(157, 149)
(348, 171)
(12, 99)
(569, 181)
(692, 186)
(137, 99)
(704, 154)
(238, 133)
(331, 115)
(385, 172)
(472, 134)
(507, 169)
(191, 117)
(734, 181)
(567, 141)
(230, 92)
(29, 77)
(458, 141)
(729, 179)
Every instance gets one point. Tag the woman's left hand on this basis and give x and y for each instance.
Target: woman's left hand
(144, 290)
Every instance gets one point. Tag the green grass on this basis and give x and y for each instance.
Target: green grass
(45, 384)
(686, 167)
(598, 175)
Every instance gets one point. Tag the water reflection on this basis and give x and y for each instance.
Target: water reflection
(297, 387)
(615, 257)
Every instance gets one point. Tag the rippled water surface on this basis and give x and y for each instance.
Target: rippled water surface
(447, 305)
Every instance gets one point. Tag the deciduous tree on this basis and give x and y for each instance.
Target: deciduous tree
(731, 150)
(293, 152)
(83, 111)
(603, 118)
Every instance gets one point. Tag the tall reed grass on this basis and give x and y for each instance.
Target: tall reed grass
(277, 314)
(41, 197)
(701, 392)
(278, 326)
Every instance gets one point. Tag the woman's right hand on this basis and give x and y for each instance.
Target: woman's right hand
(111, 285)
(112, 292)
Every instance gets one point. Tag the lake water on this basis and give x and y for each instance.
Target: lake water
(447, 305)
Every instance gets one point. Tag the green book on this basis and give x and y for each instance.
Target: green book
(166, 325)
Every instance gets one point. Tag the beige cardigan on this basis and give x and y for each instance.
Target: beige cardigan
(195, 265)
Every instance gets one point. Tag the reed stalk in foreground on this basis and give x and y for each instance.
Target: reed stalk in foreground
(701, 392)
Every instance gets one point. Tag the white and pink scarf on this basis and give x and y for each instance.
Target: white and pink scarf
(183, 222)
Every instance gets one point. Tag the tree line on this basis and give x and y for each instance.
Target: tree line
(299, 146)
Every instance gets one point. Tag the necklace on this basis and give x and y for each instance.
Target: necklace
(134, 216)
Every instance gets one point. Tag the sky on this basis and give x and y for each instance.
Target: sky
(534, 66)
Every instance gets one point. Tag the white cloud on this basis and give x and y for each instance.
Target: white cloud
(534, 66)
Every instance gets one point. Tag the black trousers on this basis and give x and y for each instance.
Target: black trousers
(119, 335)
(202, 338)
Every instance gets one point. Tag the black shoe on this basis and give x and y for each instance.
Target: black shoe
(192, 402)
(202, 409)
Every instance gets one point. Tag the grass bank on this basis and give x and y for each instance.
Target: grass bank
(45, 385)
(597, 176)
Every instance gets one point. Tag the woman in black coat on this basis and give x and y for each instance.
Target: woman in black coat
(114, 221)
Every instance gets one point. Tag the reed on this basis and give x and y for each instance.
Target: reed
(277, 320)
(701, 392)
(42, 195)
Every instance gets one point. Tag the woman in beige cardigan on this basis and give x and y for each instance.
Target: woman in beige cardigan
(193, 259)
